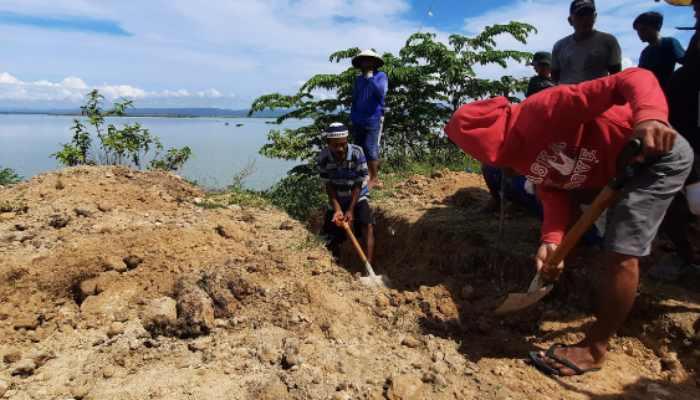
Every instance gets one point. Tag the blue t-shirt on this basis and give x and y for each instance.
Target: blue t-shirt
(661, 58)
(368, 97)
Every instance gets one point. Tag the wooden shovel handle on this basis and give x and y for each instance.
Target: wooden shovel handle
(600, 204)
(352, 238)
(606, 197)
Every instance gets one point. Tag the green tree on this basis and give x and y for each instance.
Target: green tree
(427, 81)
(127, 146)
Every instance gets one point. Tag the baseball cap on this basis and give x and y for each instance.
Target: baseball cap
(541, 57)
(578, 5)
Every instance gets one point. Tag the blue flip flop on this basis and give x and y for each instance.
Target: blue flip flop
(548, 369)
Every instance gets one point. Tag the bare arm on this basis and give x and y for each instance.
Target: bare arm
(333, 199)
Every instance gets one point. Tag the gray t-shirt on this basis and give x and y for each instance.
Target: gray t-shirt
(587, 60)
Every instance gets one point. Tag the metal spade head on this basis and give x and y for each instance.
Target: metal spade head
(521, 301)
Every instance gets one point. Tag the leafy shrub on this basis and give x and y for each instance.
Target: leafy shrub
(127, 146)
(298, 195)
(8, 176)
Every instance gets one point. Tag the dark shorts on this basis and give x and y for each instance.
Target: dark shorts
(694, 176)
(642, 203)
(367, 137)
(515, 187)
(335, 235)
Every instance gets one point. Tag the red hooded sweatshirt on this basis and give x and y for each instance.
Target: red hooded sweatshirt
(562, 138)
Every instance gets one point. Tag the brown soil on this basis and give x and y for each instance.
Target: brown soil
(114, 284)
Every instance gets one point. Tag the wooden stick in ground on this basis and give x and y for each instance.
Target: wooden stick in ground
(502, 227)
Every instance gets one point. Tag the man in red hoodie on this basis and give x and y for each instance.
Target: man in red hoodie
(566, 140)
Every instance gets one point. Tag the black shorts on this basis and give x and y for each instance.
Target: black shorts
(335, 235)
(694, 176)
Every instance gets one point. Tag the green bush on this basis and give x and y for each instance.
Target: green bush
(127, 146)
(9, 177)
(298, 195)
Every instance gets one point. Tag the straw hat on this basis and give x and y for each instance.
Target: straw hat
(357, 60)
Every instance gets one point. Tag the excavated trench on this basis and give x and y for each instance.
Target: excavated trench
(451, 253)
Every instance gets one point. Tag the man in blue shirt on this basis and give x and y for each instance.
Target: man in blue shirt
(367, 108)
(343, 168)
(662, 53)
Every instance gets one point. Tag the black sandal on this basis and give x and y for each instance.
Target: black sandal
(548, 369)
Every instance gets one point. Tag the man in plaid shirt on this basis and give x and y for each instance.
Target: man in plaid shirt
(343, 168)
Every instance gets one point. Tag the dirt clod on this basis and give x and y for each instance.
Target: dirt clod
(133, 261)
(7, 217)
(382, 302)
(412, 342)
(467, 292)
(116, 328)
(195, 310)
(405, 387)
(160, 315)
(12, 357)
(24, 367)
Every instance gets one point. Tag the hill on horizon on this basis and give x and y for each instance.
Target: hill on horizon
(159, 111)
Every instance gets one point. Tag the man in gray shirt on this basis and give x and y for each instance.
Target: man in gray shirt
(587, 54)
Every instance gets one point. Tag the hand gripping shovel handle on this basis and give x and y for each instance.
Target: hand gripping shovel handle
(352, 238)
(632, 149)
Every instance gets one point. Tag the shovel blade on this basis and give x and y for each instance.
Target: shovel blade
(376, 281)
(521, 301)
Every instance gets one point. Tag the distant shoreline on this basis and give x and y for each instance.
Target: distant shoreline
(141, 115)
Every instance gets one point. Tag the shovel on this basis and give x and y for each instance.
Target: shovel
(373, 280)
(539, 288)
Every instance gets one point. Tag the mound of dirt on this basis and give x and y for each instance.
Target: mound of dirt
(122, 284)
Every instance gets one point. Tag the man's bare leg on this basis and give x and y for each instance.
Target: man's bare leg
(619, 292)
(368, 233)
(373, 167)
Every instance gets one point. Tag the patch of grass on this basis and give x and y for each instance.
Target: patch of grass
(210, 205)
(192, 183)
(311, 242)
(247, 198)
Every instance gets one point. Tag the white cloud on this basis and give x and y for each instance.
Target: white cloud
(210, 94)
(73, 90)
(251, 47)
(628, 63)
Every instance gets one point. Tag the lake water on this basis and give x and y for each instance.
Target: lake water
(27, 141)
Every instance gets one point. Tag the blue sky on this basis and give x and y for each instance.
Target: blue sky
(225, 53)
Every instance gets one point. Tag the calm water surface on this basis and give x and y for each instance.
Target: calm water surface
(27, 141)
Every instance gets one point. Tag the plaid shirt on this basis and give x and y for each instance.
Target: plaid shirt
(344, 176)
